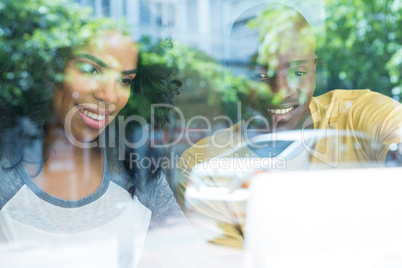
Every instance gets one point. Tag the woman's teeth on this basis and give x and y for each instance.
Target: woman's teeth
(93, 115)
(280, 111)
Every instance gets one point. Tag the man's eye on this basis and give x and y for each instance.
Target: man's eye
(87, 68)
(296, 74)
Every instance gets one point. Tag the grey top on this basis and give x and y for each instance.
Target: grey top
(30, 216)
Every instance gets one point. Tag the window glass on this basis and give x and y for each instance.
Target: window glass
(167, 133)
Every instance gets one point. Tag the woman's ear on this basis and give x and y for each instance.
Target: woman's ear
(315, 62)
(59, 86)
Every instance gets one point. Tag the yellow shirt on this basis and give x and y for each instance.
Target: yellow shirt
(367, 122)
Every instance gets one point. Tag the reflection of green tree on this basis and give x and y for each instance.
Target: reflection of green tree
(361, 45)
(279, 28)
(37, 37)
(199, 71)
(33, 35)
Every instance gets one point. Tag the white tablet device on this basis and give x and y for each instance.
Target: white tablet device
(325, 218)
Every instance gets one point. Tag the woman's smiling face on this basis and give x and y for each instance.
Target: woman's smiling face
(97, 82)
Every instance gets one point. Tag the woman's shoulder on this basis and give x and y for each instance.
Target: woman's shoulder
(157, 196)
(114, 169)
(10, 155)
(10, 173)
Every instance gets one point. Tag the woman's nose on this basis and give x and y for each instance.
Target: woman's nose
(107, 90)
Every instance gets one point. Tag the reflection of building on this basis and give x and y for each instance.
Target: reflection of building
(197, 23)
(201, 24)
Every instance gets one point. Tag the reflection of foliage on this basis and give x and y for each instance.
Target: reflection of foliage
(33, 35)
(198, 70)
(37, 37)
(204, 72)
(361, 45)
(280, 27)
(155, 82)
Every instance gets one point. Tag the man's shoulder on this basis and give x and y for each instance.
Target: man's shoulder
(344, 94)
(211, 146)
(353, 96)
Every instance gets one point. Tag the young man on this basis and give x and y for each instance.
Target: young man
(285, 64)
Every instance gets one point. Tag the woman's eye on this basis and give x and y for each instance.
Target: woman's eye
(261, 76)
(87, 68)
(125, 81)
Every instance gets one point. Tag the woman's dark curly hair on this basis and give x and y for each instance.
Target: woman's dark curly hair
(152, 85)
(36, 40)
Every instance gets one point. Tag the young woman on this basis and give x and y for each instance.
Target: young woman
(67, 171)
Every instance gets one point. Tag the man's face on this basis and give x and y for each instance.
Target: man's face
(290, 74)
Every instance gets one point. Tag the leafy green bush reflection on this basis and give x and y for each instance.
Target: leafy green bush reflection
(201, 68)
(360, 44)
(36, 40)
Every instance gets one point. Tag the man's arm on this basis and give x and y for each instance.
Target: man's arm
(214, 220)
